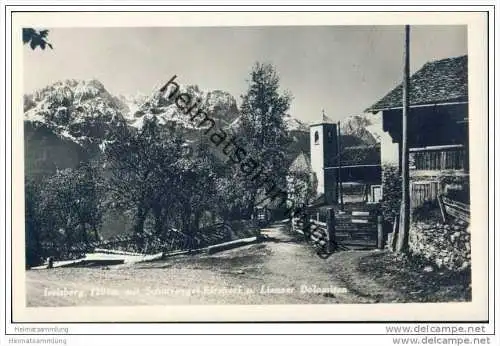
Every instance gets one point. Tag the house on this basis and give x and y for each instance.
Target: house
(437, 128)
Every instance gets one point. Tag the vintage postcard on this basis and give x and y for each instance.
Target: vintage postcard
(175, 167)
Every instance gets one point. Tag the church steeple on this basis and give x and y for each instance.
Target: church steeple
(325, 119)
(323, 149)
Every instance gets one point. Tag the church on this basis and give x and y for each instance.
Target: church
(344, 173)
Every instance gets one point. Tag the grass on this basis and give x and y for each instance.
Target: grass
(406, 276)
(382, 276)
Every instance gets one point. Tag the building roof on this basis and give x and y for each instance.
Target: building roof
(301, 164)
(361, 156)
(325, 119)
(437, 82)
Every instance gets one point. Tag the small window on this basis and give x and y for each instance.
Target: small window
(316, 137)
(330, 136)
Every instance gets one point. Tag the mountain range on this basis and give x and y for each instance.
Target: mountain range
(72, 120)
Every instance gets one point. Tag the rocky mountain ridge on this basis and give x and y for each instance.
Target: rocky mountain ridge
(84, 113)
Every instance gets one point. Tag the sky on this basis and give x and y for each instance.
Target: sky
(341, 69)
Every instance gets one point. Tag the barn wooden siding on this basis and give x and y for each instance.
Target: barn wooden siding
(433, 159)
(422, 191)
(438, 158)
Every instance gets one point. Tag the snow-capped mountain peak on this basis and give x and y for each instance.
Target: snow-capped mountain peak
(80, 110)
(294, 124)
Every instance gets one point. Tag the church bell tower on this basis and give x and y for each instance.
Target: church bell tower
(324, 157)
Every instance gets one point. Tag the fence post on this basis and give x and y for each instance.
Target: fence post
(395, 234)
(330, 229)
(380, 232)
(441, 208)
(50, 262)
(306, 228)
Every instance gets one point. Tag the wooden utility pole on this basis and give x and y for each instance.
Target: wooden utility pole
(339, 168)
(330, 230)
(404, 226)
(380, 232)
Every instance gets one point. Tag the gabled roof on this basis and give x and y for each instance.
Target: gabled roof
(301, 164)
(437, 82)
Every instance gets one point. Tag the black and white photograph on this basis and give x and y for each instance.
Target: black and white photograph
(247, 165)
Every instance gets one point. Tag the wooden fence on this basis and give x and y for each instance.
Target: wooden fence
(172, 240)
(454, 209)
(320, 234)
(359, 228)
(341, 229)
(423, 191)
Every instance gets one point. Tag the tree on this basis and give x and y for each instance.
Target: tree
(301, 186)
(34, 253)
(262, 111)
(198, 188)
(143, 171)
(36, 38)
(64, 211)
(89, 191)
(233, 196)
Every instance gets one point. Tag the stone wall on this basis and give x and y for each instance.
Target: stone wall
(445, 245)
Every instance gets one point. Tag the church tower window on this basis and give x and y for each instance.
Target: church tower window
(316, 137)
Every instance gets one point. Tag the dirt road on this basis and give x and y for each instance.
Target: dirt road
(282, 270)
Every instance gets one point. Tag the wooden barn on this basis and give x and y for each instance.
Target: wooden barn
(438, 129)
(359, 171)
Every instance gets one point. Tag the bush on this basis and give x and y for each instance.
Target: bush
(429, 211)
(391, 192)
(455, 186)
